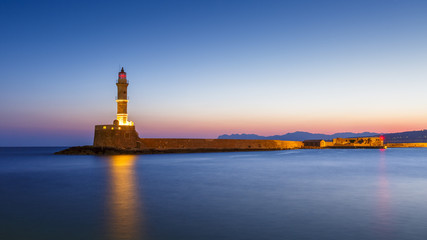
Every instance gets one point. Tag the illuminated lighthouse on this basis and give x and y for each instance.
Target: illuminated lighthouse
(122, 133)
(122, 100)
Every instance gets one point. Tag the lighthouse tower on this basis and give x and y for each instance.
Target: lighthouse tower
(122, 100)
(122, 133)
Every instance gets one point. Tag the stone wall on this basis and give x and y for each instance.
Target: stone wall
(126, 137)
(215, 144)
(405, 145)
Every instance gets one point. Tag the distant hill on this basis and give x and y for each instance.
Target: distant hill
(299, 136)
(406, 137)
(402, 137)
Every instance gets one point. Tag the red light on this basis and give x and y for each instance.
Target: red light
(122, 75)
(382, 138)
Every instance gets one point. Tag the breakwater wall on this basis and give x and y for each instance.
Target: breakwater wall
(406, 145)
(215, 144)
(125, 137)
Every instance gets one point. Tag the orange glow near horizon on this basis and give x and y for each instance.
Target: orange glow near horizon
(163, 124)
(186, 127)
(212, 127)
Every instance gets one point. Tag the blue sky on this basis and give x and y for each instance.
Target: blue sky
(205, 68)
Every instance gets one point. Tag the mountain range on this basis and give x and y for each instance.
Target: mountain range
(412, 136)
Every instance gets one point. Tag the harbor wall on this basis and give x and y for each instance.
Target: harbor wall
(215, 144)
(126, 137)
(406, 145)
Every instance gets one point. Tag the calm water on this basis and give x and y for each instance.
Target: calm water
(298, 194)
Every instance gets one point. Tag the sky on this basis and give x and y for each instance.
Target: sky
(200, 69)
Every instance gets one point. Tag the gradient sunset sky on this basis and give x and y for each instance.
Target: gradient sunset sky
(205, 68)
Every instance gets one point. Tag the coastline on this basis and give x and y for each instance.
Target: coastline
(95, 150)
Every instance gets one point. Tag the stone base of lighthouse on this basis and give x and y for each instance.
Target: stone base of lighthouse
(117, 136)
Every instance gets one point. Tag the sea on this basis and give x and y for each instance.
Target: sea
(314, 194)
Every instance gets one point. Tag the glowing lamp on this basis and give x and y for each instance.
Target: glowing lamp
(122, 74)
(382, 138)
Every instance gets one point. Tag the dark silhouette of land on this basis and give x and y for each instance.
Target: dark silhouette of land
(406, 137)
(299, 136)
(402, 137)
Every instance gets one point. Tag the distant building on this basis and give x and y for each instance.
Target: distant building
(345, 142)
(359, 142)
(314, 143)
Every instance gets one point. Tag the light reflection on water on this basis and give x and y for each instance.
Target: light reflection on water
(383, 209)
(124, 203)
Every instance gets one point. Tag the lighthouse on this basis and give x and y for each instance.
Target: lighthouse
(122, 100)
(122, 133)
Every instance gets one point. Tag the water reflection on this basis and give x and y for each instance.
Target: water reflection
(124, 208)
(383, 196)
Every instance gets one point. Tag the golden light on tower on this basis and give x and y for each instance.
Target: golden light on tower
(122, 100)
(122, 133)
